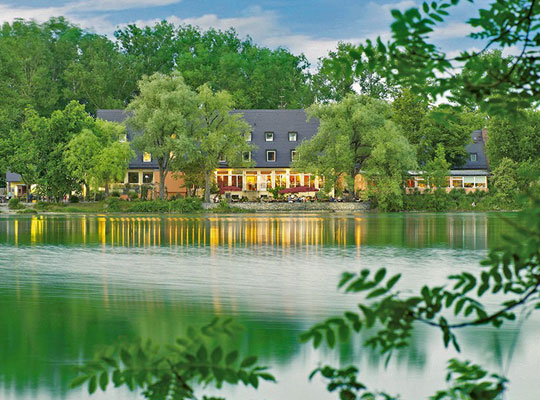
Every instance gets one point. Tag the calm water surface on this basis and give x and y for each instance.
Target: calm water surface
(70, 284)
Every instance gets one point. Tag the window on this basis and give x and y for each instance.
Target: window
(246, 156)
(133, 177)
(457, 181)
(480, 181)
(473, 157)
(468, 181)
(293, 136)
(147, 177)
(270, 155)
(293, 155)
(222, 158)
(249, 136)
(123, 138)
(147, 157)
(269, 136)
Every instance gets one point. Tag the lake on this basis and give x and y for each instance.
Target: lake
(70, 285)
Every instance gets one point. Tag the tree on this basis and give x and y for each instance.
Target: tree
(437, 170)
(334, 79)
(80, 156)
(22, 158)
(216, 134)
(504, 180)
(409, 113)
(111, 164)
(516, 137)
(348, 134)
(163, 113)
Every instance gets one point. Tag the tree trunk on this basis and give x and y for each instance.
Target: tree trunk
(162, 174)
(207, 181)
(106, 188)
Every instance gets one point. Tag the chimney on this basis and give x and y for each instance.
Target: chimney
(484, 135)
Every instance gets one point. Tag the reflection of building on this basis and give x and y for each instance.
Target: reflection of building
(470, 176)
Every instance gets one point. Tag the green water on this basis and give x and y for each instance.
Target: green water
(70, 284)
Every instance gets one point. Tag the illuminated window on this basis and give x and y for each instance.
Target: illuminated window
(133, 177)
(147, 157)
(293, 136)
(270, 155)
(148, 177)
(269, 136)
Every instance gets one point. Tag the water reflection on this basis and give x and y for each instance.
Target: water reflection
(469, 231)
(69, 285)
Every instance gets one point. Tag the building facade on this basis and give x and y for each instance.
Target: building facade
(275, 136)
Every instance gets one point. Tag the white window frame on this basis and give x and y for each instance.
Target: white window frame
(249, 136)
(471, 156)
(293, 154)
(275, 155)
(268, 136)
(295, 136)
(248, 156)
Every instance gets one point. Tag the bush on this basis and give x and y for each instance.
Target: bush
(15, 204)
(99, 196)
(115, 193)
(74, 209)
(27, 211)
(73, 199)
(133, 195)
(113, 204)
(183, 205)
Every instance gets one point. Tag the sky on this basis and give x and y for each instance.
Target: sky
(312, 27)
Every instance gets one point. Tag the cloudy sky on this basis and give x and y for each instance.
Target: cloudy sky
(312, 27)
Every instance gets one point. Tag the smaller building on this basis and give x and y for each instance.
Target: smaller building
(471, 176)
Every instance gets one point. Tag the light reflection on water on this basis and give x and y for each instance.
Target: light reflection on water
(70, 284)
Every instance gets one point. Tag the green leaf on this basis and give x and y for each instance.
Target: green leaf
(248, 361)
(231, 357)
(217, 355)
(376, 293)
(317, 339)
(78, 381)
(104, 380)
(202, 354)
(92, 384)
(125, 357)
(392, 281)
(330, 337)
(379, 276)
(425, 7)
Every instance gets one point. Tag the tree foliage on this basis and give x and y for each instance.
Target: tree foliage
(174, 371)
(492, 83)
(163, 114)
(354, 136)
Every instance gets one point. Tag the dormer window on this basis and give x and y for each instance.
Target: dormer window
(269, 136)
(473, 157)
(123, 138)
(147, 157)
(249, 136)
(293, 136)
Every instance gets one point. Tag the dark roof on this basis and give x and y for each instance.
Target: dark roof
(477, 147)
(120, 116)
(281, 122)
(13, 177)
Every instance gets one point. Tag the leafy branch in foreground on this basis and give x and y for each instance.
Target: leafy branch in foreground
(511, 272)
(413, 56)
(171, 372)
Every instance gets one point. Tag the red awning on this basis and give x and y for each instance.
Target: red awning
(224, 189)
(298, 189)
